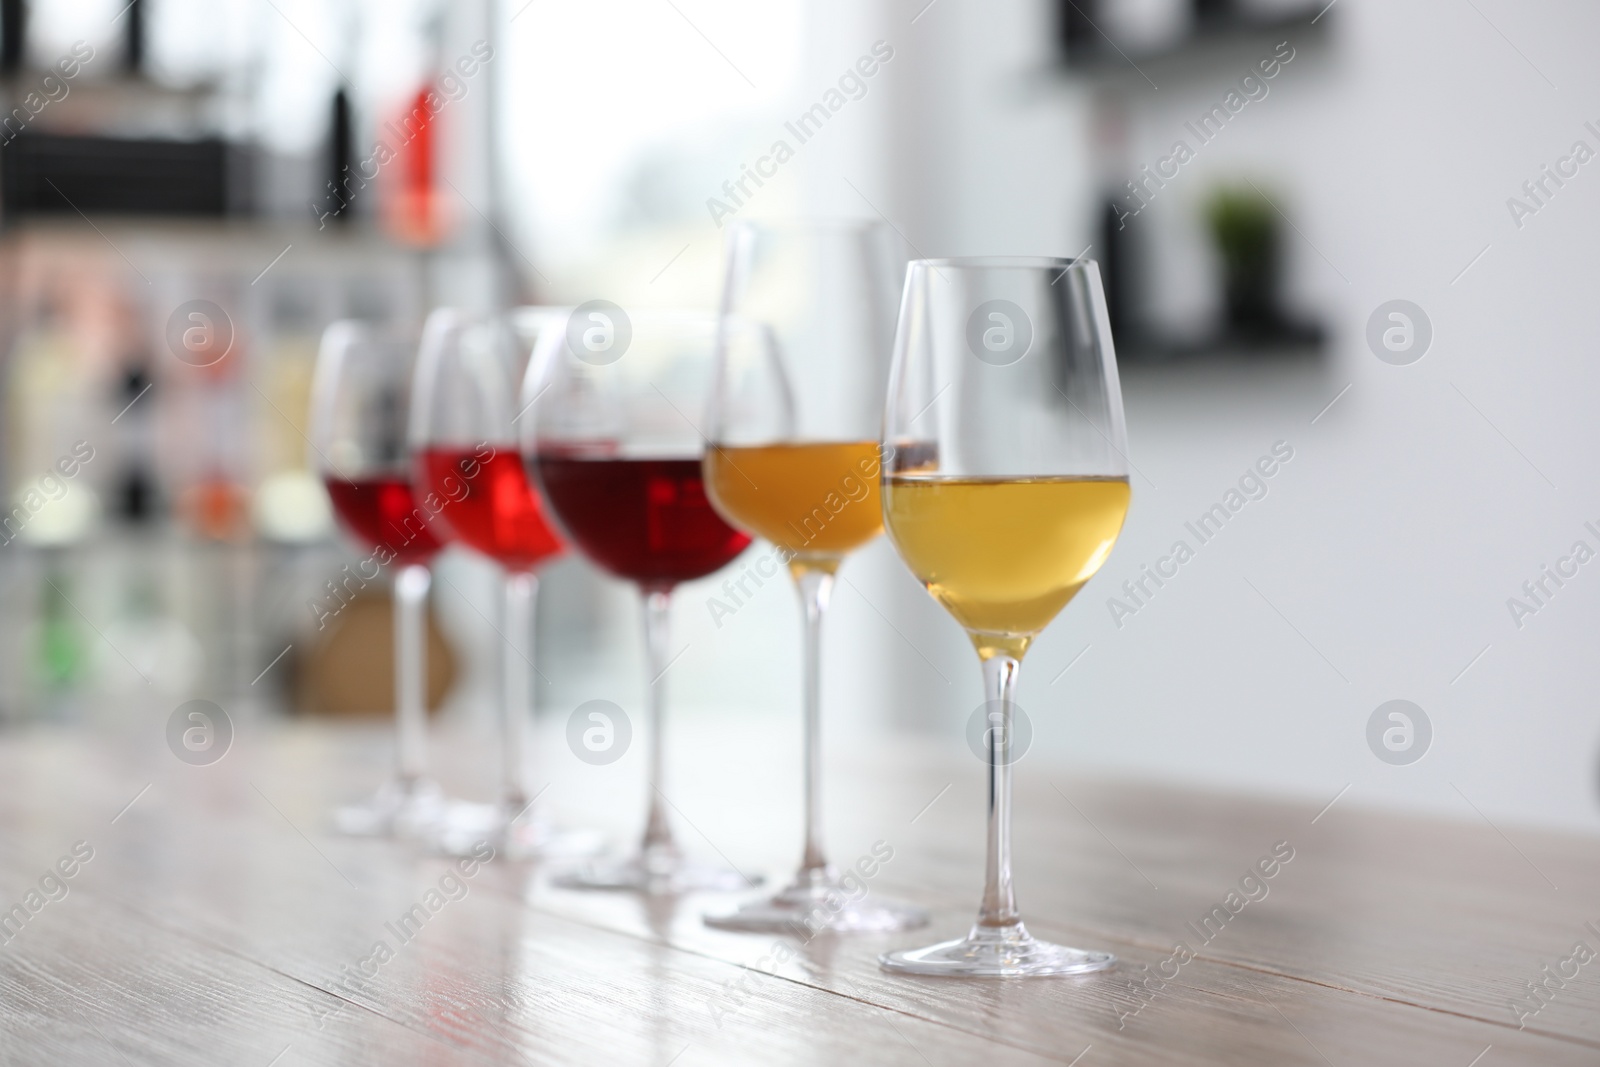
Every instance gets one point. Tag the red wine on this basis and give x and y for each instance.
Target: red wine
(647, 520)
(382, 511)
(488, 504)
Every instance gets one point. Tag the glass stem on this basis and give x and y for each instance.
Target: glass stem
(999, 903)
(815, 586)
(410, 673)
(658, 847)
(516, 687)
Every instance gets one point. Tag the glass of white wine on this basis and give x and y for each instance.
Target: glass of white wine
(792, 456)
(1004, 489)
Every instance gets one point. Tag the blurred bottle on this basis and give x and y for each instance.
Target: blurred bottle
(290, 505)
(44, 515)
(61, 653)
(133, 494)
(48, 395)
(416, 211)
(143, 631)
(214, 440)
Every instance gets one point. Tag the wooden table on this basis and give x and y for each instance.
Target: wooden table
(218, 922)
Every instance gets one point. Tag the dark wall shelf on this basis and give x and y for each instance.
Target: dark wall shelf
(1297, 340)
(49, 174)
(1216, 33)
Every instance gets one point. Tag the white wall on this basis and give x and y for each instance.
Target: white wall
(1412, 510)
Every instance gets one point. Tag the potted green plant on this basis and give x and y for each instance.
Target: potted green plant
(1244, 225)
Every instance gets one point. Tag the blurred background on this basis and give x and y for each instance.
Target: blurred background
(1259, 179)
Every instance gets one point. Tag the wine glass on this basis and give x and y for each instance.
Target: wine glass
(609, 439)
(468, 471)
(358, 445)
(1005, 486)
(802, 364)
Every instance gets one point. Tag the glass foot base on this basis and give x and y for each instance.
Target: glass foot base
(819, 905)
(670, 878)
(996, 952)
(467, 828)
(399, 808)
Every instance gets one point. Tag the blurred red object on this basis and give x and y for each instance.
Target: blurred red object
(416, 211)
(217, 508)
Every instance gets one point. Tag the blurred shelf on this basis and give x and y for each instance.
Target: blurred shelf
(1210, 43)
(1294, 341)
(53, 174)
(137, 89)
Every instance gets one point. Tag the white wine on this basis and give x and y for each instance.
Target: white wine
(819, 499)
(1004, 555)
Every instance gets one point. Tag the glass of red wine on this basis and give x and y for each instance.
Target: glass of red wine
(358, 444)
(465, 459)
(608, 435)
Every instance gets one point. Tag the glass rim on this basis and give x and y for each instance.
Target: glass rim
(1004, 262)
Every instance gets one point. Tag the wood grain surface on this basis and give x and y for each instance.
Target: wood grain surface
(220, 922)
